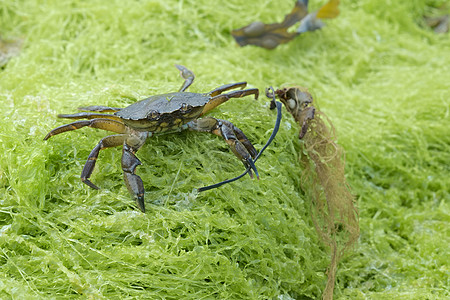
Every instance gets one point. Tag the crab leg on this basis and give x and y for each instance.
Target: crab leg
(187, 75)
(106, 142)
(105, 124)
(134, 183)
(219, 99)
(99, 108)
(89, 116)
(227, 87)
(234, 137)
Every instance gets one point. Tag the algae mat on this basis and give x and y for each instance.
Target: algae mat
(381, 77)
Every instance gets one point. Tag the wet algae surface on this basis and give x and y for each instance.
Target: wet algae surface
(377, 72)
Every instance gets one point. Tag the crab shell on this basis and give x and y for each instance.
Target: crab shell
(164, 112)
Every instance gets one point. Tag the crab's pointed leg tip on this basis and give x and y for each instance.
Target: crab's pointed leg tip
(89, 183)
(140, 203)
(180, 67)
(253, 166)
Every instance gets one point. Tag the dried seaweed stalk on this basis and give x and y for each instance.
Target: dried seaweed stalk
(334, 214)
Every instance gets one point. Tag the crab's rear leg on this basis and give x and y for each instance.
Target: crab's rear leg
(219, 99)
(235, 138)
(99, 108)
(89, 116)
(188, 76)
(106, 142)
(105, 124)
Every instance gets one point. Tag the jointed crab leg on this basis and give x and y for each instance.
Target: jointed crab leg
(89, 116)
(134, 183)
(234, 137)
(187, 75)
(106, 142)
(105, 124)
(99, 108)
(219, 99)
(227, 87)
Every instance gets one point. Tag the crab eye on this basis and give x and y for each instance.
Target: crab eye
(185, 107)
(153, 114)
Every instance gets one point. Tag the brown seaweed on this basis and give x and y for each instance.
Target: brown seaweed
(333, 210)
(269, 36)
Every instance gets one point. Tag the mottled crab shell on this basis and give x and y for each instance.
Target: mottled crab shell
(163, 112)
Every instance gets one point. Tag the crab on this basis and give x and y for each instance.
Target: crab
(170, 112)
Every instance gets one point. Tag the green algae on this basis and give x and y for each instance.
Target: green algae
(380, 76)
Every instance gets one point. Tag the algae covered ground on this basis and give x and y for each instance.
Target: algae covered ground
(379, 74)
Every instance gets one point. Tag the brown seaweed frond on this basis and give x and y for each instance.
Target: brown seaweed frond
(269, 36)
(333, 210)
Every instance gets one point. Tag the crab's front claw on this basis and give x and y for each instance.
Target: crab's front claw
(240, 150)
(187, 75)
(132, 180)
(233, 136)
(252, 165)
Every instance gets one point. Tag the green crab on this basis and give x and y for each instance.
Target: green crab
(170, 112)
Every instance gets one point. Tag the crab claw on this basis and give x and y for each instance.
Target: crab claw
(252, 165)
(140, 203)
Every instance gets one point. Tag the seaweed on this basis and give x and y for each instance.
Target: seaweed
(383, 75)
(334, 214)
(269, 36)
